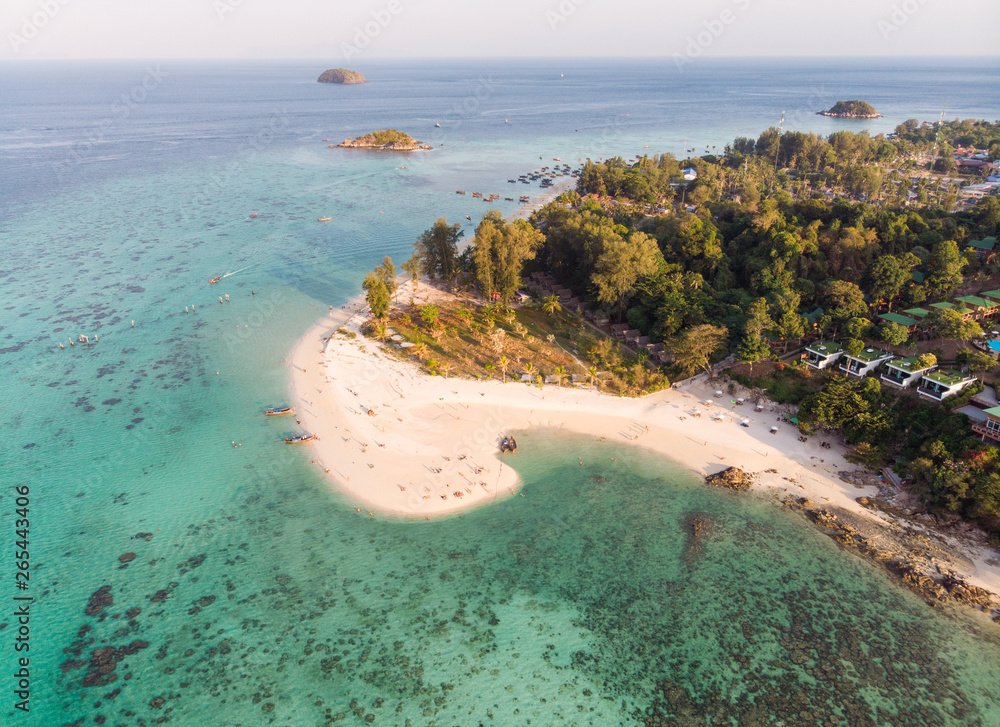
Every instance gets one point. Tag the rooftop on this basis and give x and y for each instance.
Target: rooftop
(995, 411)
(870, 354)
(917, 312)
(977, 302)
(947, 378)
(943, 306)
(825, 348)
(995, 294)
(987, 243)
(900, 319)
(905, 364)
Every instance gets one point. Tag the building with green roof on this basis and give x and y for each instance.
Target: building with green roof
(918, 313)
(984, 247)
(982, 308)
(904, 371)
(865, 362)
(939, 385)
(822, 354)
(909, 323)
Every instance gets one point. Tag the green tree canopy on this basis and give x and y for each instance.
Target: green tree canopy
(376, 295)
(945, 267)
(694, 349)
(621, 265)
(437, 249)
(844, 301)
(499, 252)
(387, 274)
(892, 334)
(948, 323)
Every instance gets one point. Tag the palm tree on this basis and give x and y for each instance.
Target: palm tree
(560, 374)
(551, 305)
(445, 368)
(530, 369)
(381, 331)
(421, 350)
(592, 372)
(504, 363)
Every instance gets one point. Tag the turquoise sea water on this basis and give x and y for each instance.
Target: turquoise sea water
(264, 597)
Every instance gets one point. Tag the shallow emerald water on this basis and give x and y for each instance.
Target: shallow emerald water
(585, 602)
(264, 597)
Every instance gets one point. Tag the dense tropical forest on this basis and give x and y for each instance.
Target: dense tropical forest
(778, 241)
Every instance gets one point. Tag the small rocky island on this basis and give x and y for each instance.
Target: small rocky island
(386, 140)
(340, 75)
(852, 110)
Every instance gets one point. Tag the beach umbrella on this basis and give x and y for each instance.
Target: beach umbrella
(708, 402)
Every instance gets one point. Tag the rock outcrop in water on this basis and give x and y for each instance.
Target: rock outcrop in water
(385, 140)
(341, 75)
(732, 478)
(852, 110)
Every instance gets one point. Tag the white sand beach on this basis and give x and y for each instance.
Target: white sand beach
(382, 425)
(400, 442)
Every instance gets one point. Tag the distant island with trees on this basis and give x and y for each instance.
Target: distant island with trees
(385, 140)
(852, 110)
(341, 75)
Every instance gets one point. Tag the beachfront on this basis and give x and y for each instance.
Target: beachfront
(400, 442)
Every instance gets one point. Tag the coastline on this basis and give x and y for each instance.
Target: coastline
(429, 438)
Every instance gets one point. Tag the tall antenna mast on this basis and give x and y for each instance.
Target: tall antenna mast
(777, 146)
(937, 136)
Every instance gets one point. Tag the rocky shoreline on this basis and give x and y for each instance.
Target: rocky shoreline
(850, 116)
(912, 557)
(393, 146)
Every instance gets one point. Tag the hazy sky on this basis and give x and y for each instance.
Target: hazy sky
(327, 29)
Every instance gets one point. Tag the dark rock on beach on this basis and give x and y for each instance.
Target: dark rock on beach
(731, 478)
